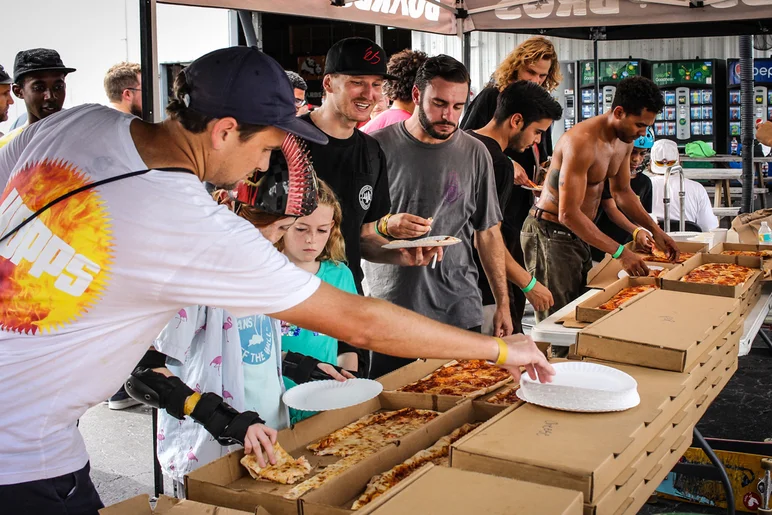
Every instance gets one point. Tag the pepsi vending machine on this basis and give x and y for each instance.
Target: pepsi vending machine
(695, 96)
(762, 98)
(612, 71)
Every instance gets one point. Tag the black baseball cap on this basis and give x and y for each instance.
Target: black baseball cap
(38, 60)
(246, 84)
(4, 77)
(357, 56)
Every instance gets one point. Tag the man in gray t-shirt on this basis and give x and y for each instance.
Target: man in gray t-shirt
(436, 171)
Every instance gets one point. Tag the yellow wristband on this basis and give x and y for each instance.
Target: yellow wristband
(635, 232)
(503, 350)
(190, 403)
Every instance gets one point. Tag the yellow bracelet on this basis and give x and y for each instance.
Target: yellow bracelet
(384, 225)
(503, 350)
(635, 232)
(190, 403)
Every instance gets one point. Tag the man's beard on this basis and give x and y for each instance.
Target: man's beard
(429, 126)
(516, 143)
(136, 110)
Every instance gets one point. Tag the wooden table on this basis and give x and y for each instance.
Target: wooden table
(722, 176)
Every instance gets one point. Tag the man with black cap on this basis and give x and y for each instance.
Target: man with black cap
(353, 165)
(6, 100)
(107, 231)
(38, 79)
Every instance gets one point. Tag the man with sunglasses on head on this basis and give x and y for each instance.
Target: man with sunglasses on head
(107, 232)
(560, 228)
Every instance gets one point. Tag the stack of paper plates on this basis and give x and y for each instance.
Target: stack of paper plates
(331, 394)
(581, 386)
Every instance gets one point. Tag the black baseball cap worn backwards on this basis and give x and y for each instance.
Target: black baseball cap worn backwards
(246, 84)
(357, 56)
(38, 60)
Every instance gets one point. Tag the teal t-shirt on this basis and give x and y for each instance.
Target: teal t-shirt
(310, 343)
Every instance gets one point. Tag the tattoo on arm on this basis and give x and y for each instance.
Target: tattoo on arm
(554, 179)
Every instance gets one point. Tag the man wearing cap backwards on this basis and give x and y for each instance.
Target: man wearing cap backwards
(353, 165)
(90, 282)
(6, 100)
(697, 207)
(38, 79)
(559, 230)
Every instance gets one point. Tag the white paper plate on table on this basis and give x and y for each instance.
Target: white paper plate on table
(622, 274)
(581, 386)
(330, 394)
(429, 241)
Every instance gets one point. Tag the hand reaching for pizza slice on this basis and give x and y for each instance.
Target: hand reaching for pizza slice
(260, 438)
(523, 352)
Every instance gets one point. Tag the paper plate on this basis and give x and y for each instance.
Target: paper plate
(429, 241)
(331, 394)
(538, 188)
(622, 274)
(580, 386)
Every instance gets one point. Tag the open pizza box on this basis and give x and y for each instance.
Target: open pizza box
(337, 496)
(225, 482)
(419, 369)
(493, 403)
(662, 329)
(591, 453)
(608, 270)
(588, 310)
(767, 262)
(672, 279)
(140, 505)
(445, 491)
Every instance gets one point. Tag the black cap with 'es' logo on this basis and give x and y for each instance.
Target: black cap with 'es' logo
(357, 56)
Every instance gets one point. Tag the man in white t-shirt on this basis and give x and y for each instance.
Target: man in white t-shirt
(88, 283)
(697, 207)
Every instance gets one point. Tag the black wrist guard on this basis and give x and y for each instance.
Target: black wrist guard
(227, 425)
(159, 391)
(302, 369)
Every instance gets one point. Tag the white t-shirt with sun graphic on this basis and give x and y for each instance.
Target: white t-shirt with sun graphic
(86, 287)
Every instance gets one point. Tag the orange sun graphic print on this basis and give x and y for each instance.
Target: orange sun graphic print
(56, 267)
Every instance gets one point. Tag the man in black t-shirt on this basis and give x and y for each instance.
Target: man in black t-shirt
(353, 165)
(524, 113)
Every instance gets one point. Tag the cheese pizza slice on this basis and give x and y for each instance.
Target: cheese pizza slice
(624, 295)
(286, 470)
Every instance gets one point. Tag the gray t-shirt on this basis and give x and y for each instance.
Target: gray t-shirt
(452, 182)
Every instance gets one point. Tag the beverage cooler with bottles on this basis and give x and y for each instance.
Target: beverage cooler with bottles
(612, 71)
(695, 100)
(762, 98)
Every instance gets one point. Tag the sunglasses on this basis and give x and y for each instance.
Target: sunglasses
(300, 102)
(665, 163)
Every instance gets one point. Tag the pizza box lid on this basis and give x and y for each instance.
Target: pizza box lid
(580, 451)
(672, 279)
(447, 491)
(588, 311)
(663, 329)
(140, 505)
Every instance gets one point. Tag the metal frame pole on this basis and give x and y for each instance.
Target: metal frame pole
(746, 115)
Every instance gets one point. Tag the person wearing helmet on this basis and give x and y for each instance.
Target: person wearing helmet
(610, 219)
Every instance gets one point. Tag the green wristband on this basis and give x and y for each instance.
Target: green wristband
(530, 286)
(618, 252)
(376, 229)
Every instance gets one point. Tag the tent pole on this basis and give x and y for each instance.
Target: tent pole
(596, 74)
(379, 35)
(747, 117)
(245, 17)
(149, 60)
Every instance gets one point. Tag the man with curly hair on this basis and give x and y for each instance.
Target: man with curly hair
(404, 66)
(559, 230)
(534, 60)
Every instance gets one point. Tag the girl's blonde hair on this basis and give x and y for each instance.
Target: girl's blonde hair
(335, 250)
(530, 51)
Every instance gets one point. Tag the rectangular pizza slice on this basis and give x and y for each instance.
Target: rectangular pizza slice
(462, 378)
(286, 470)
(505, 397)
(624, 295)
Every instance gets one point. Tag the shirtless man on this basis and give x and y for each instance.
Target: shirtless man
(559, 230)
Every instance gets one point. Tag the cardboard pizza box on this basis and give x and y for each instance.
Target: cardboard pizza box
(140, 505)
(419, 369)
(483, 404)
(337, 496)
(225, 482)
(766, 262)
(444, 491)
(588, 311)
(668, 330)
(683, 246)
(581, 451)
(606, 272)
(672, 279)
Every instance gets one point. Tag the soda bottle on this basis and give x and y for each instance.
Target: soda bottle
(765, 234)
(733, 147)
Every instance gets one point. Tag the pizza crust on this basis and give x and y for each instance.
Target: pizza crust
(624, 295)
(506, 397)
(286, 470)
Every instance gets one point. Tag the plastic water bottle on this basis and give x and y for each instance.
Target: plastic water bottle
(733, 147)
(765, 234)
